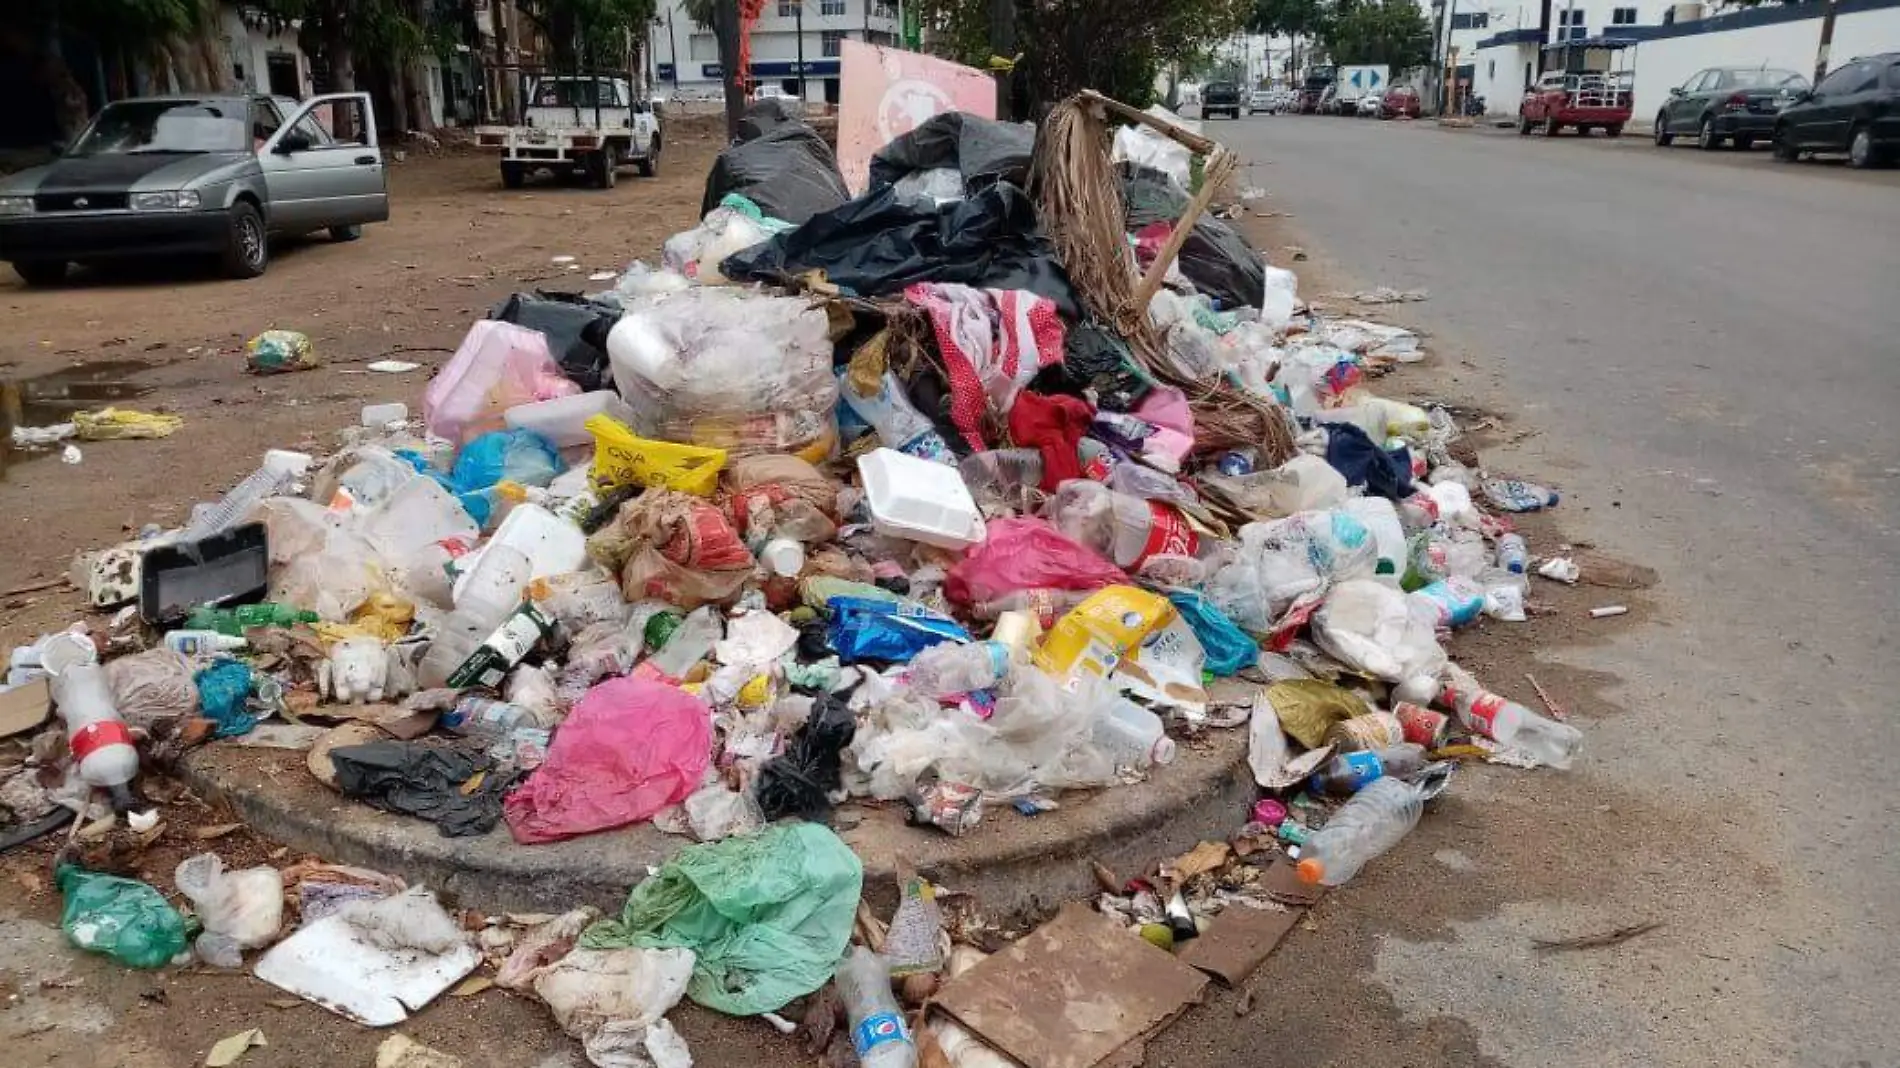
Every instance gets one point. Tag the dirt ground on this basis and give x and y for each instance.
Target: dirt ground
(455, 245)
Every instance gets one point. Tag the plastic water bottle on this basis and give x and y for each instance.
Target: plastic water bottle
(948, 670)
(100, 741)
(1513, 555)
(877, 1022)
(1511, 724)
(1374, 821)
(784, 557)
(270, 480)
(691, 643)
(1004, 475)
(1127, 530)
(1515, 496)
(486, 717)
(234, 621)
(202, 642)
(1349, 773)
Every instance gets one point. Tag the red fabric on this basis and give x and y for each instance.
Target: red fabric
(993, 341)
(1026, 554)
(1055, 425)
(630, 748)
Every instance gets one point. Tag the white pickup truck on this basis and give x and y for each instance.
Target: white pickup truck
(577, 124)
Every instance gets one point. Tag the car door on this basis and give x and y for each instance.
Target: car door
(323, 168)
(1827, 121)
(1884, 108)
(1678, 101)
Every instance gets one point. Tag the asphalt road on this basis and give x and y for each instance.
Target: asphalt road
(1703, 351)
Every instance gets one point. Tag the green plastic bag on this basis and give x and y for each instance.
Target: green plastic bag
(767, 914)
(123, 918)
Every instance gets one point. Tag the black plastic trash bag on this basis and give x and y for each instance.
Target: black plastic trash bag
(796, 782)
(787, 169)
(576, 330)
(879, 243)
(1215, 257)
(424, 781)
(982, 150)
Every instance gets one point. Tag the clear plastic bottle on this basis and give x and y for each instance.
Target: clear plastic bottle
(1003, 476)
(485, 717)
(877, 1021)
(1045, 604)
(492, 592)
(1132, 736)
(100, 741)
(1513, 555)
(949, 669)
(1511, 724)
(202, 642)
(269, 480)
(1125, 529)
(691, 643)
(784, 557)
(1515, 496)
(1372, 822)
(1349, 773)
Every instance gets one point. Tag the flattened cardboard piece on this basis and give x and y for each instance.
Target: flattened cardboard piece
(1282, 883)
(25, 707)
(1073, 993)
(1238, 941)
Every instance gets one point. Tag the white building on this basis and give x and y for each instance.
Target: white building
(686, 55)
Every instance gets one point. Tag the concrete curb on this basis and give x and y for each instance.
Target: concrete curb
(1019, 868)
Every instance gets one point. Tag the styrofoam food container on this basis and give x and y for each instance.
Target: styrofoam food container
(919, 500)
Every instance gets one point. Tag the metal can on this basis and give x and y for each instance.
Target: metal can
(1422, 725)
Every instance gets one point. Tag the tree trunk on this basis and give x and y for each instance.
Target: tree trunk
(70, 109)
(726, 28)
(507, 75)
(415, 82)
(217, 59)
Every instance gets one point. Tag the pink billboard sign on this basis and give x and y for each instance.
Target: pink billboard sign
(888, 92)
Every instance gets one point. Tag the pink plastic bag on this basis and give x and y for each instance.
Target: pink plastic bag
(497, 367)
(630, 748)
(1026, 554)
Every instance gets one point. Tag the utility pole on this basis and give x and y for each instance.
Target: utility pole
(1543, 34)
(798, 16)
(1827, 41)
(673, 49)
(1003, 44)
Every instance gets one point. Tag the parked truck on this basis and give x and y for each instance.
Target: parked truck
(588, 124)
(1356, 82)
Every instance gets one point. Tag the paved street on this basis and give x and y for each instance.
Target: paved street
(1700, 349)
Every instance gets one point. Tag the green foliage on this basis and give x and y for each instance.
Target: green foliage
(590, 32)
(1393, 32)
(1290, 18)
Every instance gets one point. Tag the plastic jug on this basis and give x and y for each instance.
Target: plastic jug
(1132, 736)
(100, 741)
(552, 545)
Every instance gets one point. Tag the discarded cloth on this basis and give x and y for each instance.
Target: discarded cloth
(1362, 462)
(630, 748)
(993, 341)
(1055, 425)
(768, 915)
(427, 782)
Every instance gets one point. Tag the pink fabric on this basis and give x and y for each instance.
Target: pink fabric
(993, 341)
(630, 748)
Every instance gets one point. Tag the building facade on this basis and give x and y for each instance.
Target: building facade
(794, 42)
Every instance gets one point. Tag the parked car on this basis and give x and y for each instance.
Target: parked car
(1266, 100)
(1369, 105)
(1328, 102)
(1727, 104)
(778, 93)
(1400, 100)
(1855, 109)
(182, 175)
(1220, 98)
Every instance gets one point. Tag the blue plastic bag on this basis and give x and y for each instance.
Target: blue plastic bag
(520, 456)
(863, 629)
(1229, 649)
(223, 690)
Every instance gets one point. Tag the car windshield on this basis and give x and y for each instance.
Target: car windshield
(576, 93)
(1757, 78)
(134, 126)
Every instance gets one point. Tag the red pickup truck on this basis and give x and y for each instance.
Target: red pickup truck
(1581, 100)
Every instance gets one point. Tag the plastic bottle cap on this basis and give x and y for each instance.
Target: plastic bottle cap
(511, 491)
(1312, 870)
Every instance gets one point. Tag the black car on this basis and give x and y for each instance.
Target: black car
(1724, 104)
(1221, 98)
(1855, 109)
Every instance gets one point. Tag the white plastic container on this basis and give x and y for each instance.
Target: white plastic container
(97, 735)
(1132, 736)
(919, 500)
(552, 545)
(1382, 519)
(563, 420)
(378, 416)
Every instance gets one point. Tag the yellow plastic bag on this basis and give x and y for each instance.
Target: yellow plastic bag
(1094, 635)
(109, 424)
(623, 458)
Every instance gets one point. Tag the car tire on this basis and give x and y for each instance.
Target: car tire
(603, 167)
(1706, 138)
(41, 273)
(513, 175)
(1861, 153)
(247, 244)
(1783, 146)
(1743, 142)
(650, 163)
(1552, 127)
(1662, 135)
(1614, 129)
(1523, 125)
(345, 233)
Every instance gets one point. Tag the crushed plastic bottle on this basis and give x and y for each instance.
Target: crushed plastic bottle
(100, 741)
(267, 481)
(949, 669)
(878, 1033)
(1514, 496)
(1511, 724)
(692, 642)
(1126, 529)
(1374, 821)
(1349, 773)
(915, 941)
(1513, 554)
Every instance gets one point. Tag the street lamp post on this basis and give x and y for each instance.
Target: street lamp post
(798, 16)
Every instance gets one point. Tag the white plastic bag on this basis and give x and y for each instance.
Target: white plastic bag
(239, 909)
(1282, 293)
(1140, 144)
(615, 1001)
(1370, 627)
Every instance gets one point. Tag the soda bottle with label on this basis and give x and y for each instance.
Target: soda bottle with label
(1511, 724)
(1348, 773)
(1126, 529)
(877, 1022)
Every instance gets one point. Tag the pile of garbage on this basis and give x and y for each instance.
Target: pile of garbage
(848, 500)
